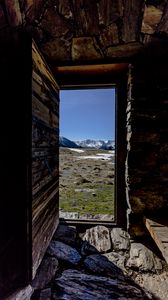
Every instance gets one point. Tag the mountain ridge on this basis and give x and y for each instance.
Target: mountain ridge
(87, 143)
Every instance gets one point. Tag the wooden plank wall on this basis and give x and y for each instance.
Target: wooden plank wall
(45, 152)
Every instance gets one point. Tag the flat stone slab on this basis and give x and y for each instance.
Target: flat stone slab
(75, 285)
(100, 264)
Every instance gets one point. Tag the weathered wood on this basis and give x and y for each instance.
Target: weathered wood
(44, 92)
(42, 239)
(41, 179)
(88, 70)
(41, 65)
(40, 110)
(43, 200)
(159, 233)
(45, 137)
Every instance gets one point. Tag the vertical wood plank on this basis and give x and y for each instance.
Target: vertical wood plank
(45, 151)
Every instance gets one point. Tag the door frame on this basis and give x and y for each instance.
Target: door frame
(95, 76)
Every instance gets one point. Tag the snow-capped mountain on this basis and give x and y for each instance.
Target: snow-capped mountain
(98, 144)
(64, 142)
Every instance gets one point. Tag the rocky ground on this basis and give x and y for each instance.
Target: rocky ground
(86, 183)
(99, 264)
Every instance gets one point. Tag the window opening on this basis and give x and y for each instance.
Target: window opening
(87, 154)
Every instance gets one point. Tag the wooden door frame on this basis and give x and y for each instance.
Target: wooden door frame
(71, 77)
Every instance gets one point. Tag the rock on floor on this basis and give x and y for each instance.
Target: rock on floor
(75, 285)
(45, 294)
(99, 237)
(45, 273)
(122, 271)
(143, 259)
(120, 239)
(64, 252)
(100, 264)
(66, 234)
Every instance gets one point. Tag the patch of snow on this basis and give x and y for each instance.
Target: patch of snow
(111, 151)
(97, 156)
(105, 154)
(76, 150)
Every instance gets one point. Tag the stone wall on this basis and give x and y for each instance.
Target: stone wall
(72, 31)
(146, 163)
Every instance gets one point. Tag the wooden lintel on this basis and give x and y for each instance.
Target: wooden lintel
(90, 69)
(159, 233)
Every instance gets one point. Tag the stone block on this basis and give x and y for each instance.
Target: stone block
(99, 237)
(143, 259)
(85, 48)
(151, 19)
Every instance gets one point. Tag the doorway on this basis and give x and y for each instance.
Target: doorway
(87, 154)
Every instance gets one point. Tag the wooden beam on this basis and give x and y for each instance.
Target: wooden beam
(85, 75)
(159, 233)
(90, 69)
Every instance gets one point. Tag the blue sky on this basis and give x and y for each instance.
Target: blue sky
(87, 114)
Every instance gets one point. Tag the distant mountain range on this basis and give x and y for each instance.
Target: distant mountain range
(96, 144)
(64, 142)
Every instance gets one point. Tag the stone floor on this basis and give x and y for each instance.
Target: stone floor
(99, 264)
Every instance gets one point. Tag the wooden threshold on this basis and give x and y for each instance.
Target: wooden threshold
(159, 232)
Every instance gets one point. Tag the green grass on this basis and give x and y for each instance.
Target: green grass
(86, 202)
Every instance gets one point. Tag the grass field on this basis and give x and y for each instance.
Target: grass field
(87, 181)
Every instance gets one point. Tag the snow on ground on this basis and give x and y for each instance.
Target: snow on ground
(76, 150)
(111, 151)
(104, 156)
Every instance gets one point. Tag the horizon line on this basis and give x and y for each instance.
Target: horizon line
(83, 139)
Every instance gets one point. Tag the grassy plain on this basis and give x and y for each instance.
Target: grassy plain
(86, 182)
